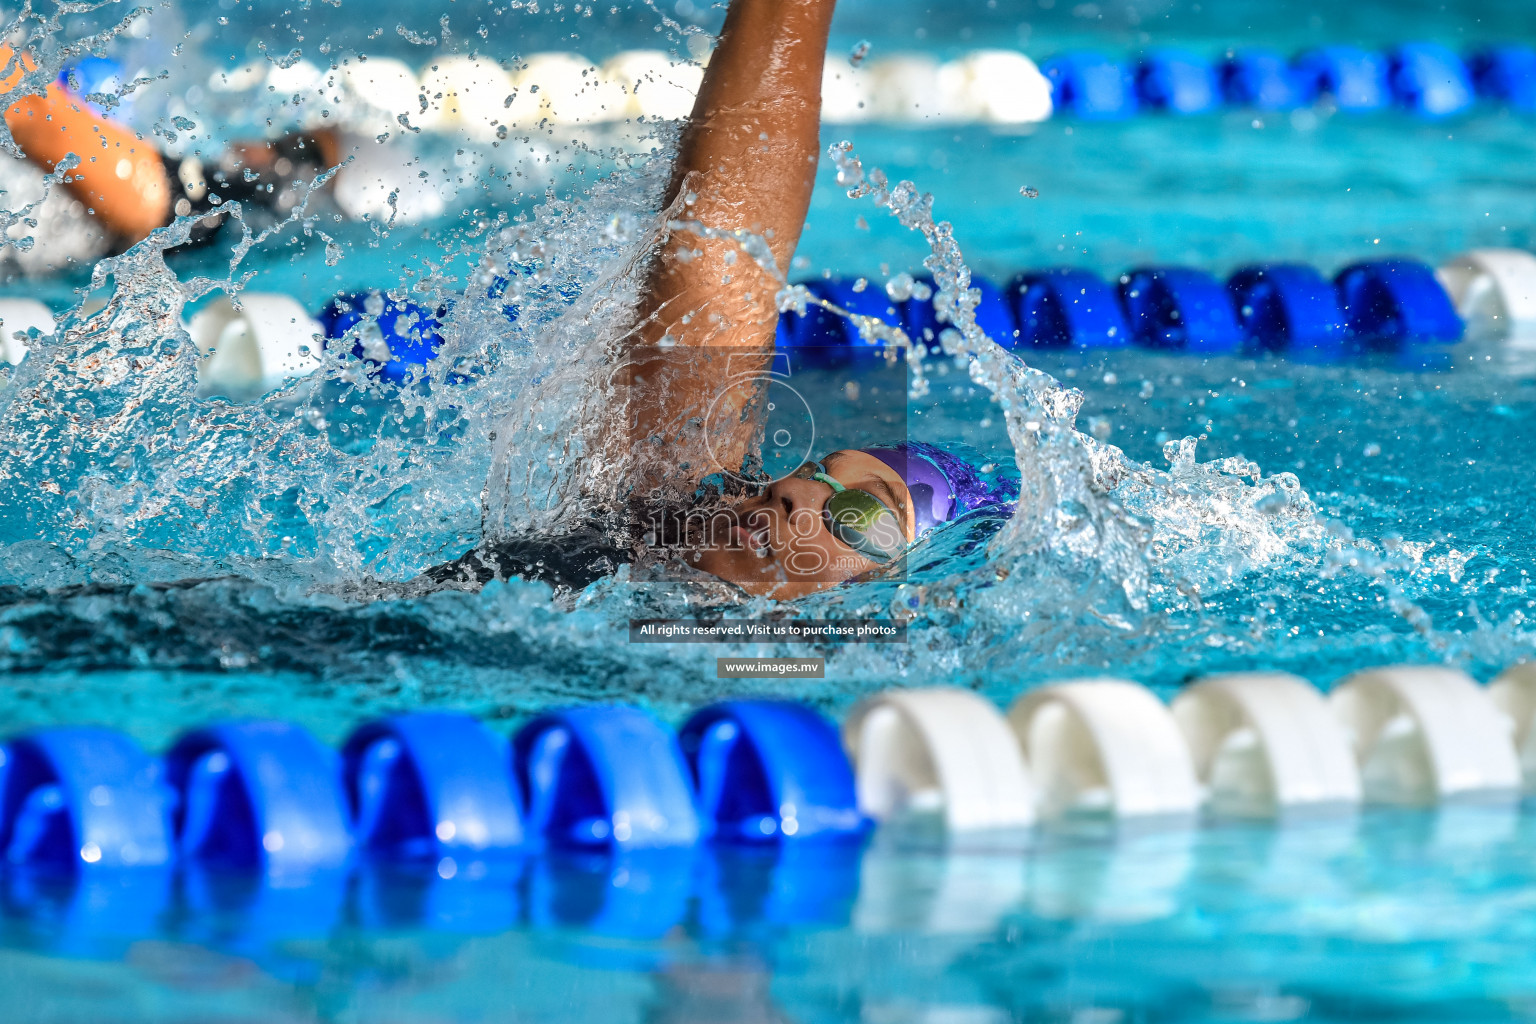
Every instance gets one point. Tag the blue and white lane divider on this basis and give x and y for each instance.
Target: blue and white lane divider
(483, 99)
(265, 796)
(1284, 308)
(1426, 78)
(249, 833)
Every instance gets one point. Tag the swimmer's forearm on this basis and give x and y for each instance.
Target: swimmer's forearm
(748, 160)
(755, 130)
(120, 177)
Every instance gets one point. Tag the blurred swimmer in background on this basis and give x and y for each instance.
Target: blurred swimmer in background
(122, 188)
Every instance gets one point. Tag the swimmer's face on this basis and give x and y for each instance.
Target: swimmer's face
(779, 544)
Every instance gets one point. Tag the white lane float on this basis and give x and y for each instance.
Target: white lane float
(466, 94)
(1492, 284)
(565, 88)
(1105, 747)
(380, 90)
(1425, 734)
(1514, 693)
(303, 86)
(846, 93)
(18, 317)
(996, 86)
(255, 347)
(299, 77)
(654, 85)
(943, 752)
(1265, 743)
(390, 182)
(238, 79)
(1135, 878)
(904, 88)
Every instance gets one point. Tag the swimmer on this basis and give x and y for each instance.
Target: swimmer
(130, 189)
(747, 160)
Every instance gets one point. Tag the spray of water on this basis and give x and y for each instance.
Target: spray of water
(117, 471)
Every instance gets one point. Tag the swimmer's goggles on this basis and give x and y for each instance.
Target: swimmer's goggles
(858, 518)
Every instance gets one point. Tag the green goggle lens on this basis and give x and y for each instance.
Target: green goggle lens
(856, 510)
(861, 520)
(858, 518)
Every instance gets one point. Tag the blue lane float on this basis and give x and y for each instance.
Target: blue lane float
(86, 914)
(751, 758)
(1264, 80)
(1067, 307)
(1396, 301)
(1177, 81)
(793, 885)
(1505, 74)
(770, 771)
(92, 77)
(1180, 308)
(820, 334)
(1090, 85)
(1055, 307)
(1355, 79)
(994, 315)
(259, 794)
(1288, 307)
(76, 798)
(1429, 79)
(1284, 308)
(625, 893)
(393, 337)
(428, 785)
(454, 894)
(605, 777)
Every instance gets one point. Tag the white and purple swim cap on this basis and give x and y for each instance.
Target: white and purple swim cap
(943, 486)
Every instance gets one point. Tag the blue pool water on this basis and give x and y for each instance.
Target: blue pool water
(1410, 540)
(1398, 916)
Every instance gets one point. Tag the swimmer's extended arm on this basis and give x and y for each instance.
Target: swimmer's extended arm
(120, 177)
(748, 155)
(747, 160)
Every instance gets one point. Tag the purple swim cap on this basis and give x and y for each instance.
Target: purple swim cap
(943, 486)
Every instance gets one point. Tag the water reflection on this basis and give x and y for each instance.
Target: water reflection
(1341, 917)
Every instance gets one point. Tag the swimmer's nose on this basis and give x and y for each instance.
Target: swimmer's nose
(797, 502)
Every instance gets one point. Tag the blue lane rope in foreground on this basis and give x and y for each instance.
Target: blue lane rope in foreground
(602, 817)
(265, 795)
(1378, 304)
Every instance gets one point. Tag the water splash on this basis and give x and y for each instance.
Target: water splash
(117, 472)
(1078, 495)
